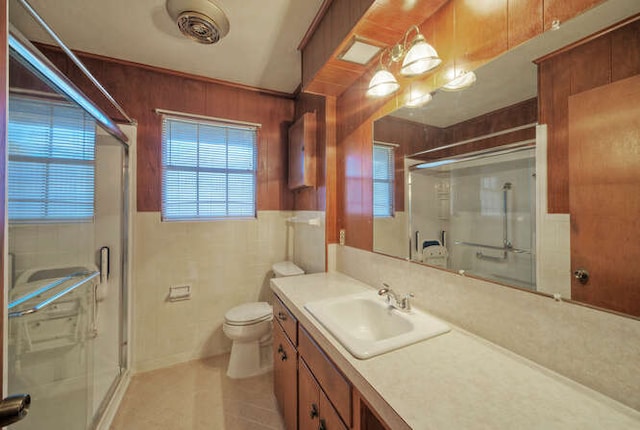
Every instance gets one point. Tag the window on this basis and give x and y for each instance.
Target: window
(51, 165)
(208, 170)
(383, 173)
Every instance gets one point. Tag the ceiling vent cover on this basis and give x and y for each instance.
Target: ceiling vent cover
(200, 20)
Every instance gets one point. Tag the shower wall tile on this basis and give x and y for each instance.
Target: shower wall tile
(226, 262)
(47, 245)
(598, 349)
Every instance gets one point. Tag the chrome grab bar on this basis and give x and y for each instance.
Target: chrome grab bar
(497, 248)
(53, 298)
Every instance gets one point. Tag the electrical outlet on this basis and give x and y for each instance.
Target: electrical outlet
(342, 235)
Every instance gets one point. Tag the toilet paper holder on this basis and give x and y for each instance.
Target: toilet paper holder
(179, 292)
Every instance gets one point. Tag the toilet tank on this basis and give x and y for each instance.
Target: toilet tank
(286, 268)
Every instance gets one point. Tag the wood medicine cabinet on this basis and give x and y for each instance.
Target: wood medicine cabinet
(302, 152)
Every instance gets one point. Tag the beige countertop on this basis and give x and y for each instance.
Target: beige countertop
(456, 380)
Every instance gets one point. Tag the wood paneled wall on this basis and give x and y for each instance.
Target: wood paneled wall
(141, 89)
(338, 19)
(313, 198)
(613, 56)
(466, 35)
(3, 157)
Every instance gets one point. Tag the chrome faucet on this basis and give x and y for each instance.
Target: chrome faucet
(403, 304)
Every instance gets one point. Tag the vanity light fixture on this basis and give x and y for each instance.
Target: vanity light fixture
(462, 81)
(418, 98)
(418, 57)
(383, 82)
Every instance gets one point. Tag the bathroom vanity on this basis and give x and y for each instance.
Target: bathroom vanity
(311, 391)
(452, 381)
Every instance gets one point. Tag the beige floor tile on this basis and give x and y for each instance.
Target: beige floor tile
(198, 396)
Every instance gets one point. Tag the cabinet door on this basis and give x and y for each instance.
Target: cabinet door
(308, 399)
(302, 152)
(329, 418)
(285, 377)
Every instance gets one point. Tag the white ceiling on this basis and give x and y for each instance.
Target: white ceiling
(260, 49)
(512, 77)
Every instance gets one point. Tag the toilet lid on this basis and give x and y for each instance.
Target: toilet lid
(249, 313)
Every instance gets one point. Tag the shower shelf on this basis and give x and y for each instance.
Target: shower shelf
(64, 289)
(497, 248)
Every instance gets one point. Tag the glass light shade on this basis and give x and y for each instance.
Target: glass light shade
(420, 58)
(418, 98)
(382, 84)
(461, 82)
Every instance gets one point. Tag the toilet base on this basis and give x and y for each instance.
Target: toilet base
(250, 359)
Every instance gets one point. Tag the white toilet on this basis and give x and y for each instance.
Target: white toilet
(249, 327)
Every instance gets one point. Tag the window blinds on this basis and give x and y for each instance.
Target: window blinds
(208, 170)
(383, 176)
(51, 164)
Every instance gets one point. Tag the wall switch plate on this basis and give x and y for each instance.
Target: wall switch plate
(342, 236)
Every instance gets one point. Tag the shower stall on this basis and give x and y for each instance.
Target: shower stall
(67, 271)
(475, 214)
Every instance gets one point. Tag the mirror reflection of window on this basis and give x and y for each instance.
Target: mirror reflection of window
(383, 180)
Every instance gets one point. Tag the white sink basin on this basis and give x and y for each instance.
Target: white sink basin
(367, 326)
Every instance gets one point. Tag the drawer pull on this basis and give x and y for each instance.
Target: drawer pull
(323, 425)
(283, 356)
(280, 349)
(282, 316)
(314, 411)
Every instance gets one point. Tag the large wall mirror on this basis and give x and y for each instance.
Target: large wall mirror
(461, 182)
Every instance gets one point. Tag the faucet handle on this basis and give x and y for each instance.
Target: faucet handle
(405, 303)
(386, 290)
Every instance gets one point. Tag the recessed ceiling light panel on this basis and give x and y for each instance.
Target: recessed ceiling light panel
(359, 52)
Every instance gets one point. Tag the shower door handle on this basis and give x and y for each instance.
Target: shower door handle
(14, 408)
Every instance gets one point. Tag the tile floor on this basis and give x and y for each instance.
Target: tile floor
(198, 396)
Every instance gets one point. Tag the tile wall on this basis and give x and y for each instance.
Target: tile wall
(390, 235)
(227, 263)
(308, 241)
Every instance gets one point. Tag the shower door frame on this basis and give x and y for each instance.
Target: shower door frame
(62, 84)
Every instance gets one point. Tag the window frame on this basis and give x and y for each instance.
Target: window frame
(200, 120)
(391, 149)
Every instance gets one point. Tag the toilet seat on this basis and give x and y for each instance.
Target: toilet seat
(249, 314)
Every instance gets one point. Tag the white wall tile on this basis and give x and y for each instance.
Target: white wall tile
(227, 263)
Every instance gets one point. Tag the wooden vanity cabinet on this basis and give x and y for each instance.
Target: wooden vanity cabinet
(311, 391)
(285, 367)
(315, 410)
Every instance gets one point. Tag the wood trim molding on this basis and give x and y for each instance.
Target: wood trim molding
(324, 7)
(171, 72)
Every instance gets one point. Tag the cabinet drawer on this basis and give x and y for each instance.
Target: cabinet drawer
(333, 383)
(286, 319)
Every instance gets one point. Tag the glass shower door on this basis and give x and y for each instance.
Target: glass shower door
(66, 256)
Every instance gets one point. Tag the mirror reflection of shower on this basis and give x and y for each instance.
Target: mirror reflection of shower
(476, 215)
